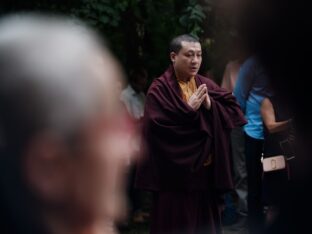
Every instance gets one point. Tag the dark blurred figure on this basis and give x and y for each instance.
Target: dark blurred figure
(278, 141)
(64, 137)
(279, 31)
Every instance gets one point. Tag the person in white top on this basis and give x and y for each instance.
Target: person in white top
(133, 98)
(133, 95)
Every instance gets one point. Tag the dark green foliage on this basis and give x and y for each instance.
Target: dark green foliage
(138, 31)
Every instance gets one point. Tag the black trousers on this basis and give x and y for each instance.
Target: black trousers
(253, 151)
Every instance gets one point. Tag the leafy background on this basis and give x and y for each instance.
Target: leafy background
(139, 31)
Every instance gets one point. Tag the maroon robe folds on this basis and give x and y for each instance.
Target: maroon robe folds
(179, 140)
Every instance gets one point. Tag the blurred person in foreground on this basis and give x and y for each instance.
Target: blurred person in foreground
(187, 124)
(64, 137)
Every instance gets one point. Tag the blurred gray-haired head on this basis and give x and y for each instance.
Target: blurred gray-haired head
(55, 73)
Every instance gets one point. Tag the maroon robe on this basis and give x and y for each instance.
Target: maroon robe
(178, 142)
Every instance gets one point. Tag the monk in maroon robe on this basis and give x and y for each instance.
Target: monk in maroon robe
(187, 124)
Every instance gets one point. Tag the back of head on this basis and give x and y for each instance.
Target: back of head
(53, 74)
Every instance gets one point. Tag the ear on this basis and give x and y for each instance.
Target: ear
(173, 57)
(47, 168)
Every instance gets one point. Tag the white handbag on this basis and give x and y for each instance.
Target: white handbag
(274, 163)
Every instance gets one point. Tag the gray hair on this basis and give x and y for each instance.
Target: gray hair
(51, 75)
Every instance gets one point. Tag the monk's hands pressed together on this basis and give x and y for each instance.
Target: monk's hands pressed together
(198, 97)
(207, 102)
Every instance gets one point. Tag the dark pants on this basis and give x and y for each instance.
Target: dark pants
(134, 195)
(239, 168)
(253, 151)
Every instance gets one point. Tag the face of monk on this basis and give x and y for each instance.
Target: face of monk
(187, 61)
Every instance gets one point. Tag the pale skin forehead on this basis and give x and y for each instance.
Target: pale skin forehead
(190, 47)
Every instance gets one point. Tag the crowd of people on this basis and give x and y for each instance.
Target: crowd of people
(76, 142)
